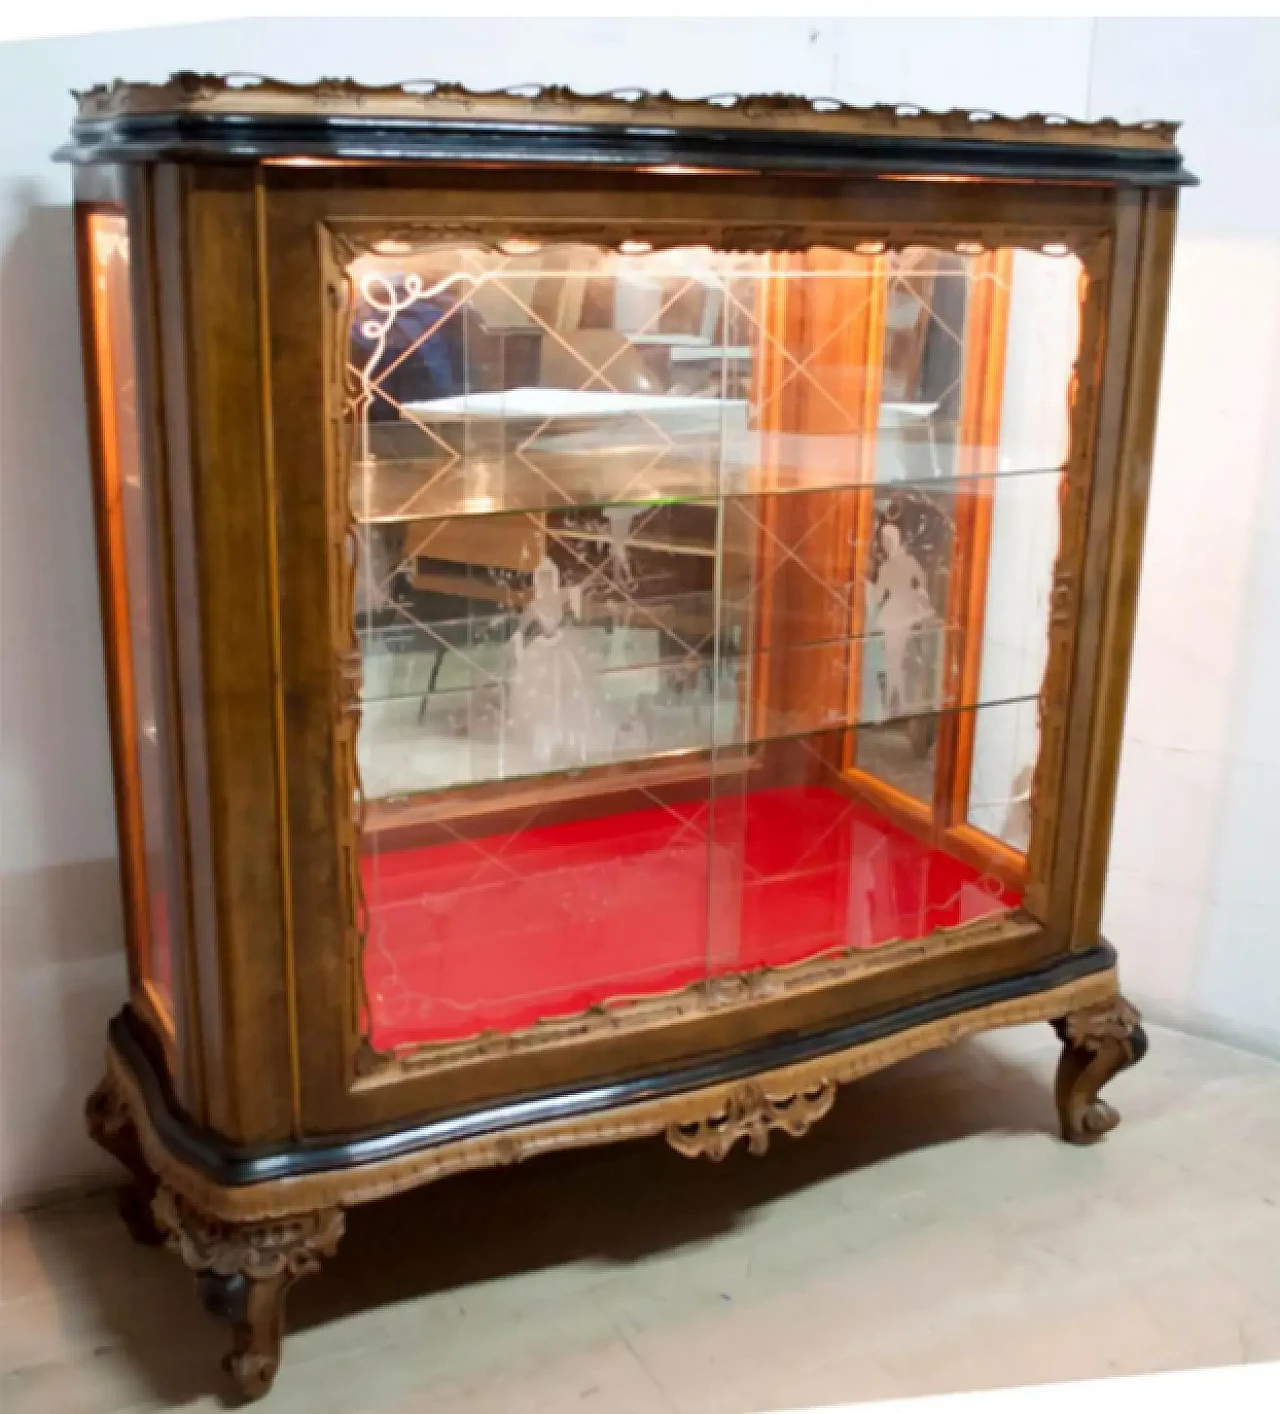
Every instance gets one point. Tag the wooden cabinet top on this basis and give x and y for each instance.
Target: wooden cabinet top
(251, 118)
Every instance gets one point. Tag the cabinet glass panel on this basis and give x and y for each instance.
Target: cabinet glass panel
(702, 600)
(139, 669)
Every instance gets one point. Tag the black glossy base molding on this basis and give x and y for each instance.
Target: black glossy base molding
(230, 1166)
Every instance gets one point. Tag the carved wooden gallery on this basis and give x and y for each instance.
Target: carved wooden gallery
(617, 611)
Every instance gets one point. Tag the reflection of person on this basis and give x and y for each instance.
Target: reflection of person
(900, 601)
(556, 711)
(1017, 820)
(434, 368)
(621, 519)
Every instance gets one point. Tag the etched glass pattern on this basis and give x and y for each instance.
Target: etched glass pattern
(701, 601)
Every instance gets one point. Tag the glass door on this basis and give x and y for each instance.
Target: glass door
(701, 605)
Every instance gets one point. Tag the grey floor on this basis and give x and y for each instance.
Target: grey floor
(932, 1235)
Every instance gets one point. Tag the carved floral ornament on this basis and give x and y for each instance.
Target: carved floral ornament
(751, 1113)
(1091, 1027)
(430, 98)
(290, 1247)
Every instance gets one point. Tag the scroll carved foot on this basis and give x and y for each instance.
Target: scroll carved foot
(110, 1125)
(1098, 1042)
(242, 1274)
(748, 1113)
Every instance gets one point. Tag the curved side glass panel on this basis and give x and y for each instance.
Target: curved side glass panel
(139, 668)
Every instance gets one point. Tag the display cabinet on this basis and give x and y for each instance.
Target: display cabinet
(617, 615)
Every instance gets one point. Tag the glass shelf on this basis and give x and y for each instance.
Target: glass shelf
(473, 656)
(676, 627)
(484, 721)
(483, 477)
(419, 765)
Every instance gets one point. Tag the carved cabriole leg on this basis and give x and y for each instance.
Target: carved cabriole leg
(751, 1114)
(107, 1119)
(243, 1271)
(1098, 1042)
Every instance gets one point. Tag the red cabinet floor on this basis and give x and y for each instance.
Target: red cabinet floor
(497, 933)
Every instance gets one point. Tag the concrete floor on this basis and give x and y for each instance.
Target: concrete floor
(930, 1236)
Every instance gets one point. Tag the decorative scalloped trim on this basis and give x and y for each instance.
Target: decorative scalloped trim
(431, 98)
(354, 239)
(621, 1015)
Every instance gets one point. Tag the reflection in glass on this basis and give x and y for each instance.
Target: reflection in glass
(140, 667)
(701, 605)
(1043, 335)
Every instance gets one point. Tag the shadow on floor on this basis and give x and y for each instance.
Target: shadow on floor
(613, 1204)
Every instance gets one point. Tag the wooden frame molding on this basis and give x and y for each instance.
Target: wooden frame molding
(706, 1121)
(343, 241)
(623, 1015)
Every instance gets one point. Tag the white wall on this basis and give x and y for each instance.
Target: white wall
(1197, 836)
(1195, 831)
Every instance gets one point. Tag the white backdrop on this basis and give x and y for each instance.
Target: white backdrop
(1200, 789)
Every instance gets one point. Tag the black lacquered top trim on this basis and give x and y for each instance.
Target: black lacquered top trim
(233, 137)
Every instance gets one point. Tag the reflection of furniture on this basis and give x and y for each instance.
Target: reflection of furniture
(453, 564)
(456, 615)
(555, 413)
(434, 614)
(711, 353)
(461, 569)
(454, 571)
(703, 944)
(432, 352)
(513, 358)
(654, 564)
(652, 310)
(505, 542)
(573, 360)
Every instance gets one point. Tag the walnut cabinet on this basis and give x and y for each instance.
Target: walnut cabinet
(617, 615)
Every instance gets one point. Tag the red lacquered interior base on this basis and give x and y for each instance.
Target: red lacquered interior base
(500, 932)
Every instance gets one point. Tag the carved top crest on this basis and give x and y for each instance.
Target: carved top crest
(429, 99)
